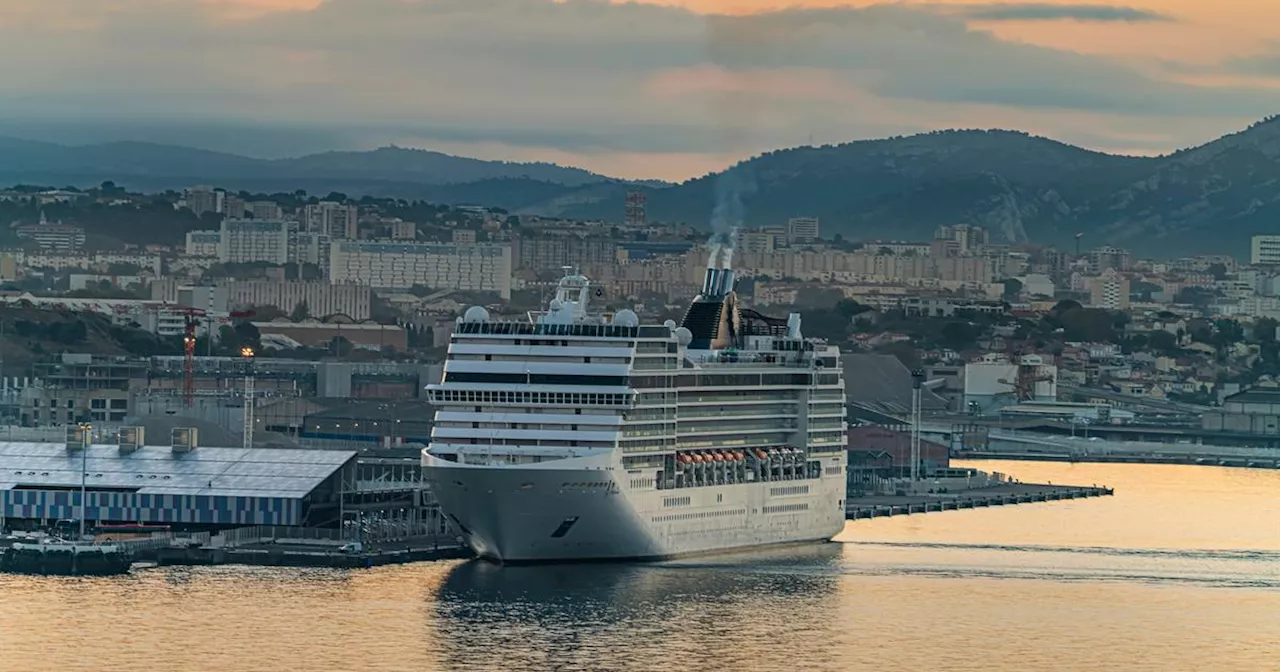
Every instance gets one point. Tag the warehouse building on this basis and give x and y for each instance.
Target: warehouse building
(183, 485)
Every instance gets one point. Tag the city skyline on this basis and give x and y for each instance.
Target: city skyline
(666, 90)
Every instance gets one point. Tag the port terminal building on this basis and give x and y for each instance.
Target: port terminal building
(181, 485)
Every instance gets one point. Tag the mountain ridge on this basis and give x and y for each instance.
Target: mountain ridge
(1023, 187)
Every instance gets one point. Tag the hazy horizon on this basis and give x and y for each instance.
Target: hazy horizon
(660, 90)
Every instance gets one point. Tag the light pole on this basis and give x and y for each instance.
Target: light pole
(85, 435)
(917, 385)
(247, 354)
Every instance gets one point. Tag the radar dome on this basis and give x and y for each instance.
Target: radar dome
(684, 336)
(476, 314)
(626, 318)
(556, 304)
(670, 324)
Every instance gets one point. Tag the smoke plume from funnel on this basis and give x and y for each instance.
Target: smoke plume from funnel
(727, 215)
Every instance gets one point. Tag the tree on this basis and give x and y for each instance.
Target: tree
(959, 335)
(1218, 270)
(1264, 330)
(300, 312)
(1012, 289)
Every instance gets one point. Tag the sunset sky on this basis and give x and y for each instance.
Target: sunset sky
(664, 88)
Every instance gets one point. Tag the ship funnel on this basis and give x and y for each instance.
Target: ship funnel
(726, 281)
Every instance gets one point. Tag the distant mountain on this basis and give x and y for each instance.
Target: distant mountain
(151, 166)
(1023, 188)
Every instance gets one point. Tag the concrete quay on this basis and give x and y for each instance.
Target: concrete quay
(1009, 494)
(1163, 457)
(296, 556)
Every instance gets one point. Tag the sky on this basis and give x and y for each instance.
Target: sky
(668, 89)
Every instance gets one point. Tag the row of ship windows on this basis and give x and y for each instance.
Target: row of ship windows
(673, 517)
(789, 490)
(539, 359)
(677, 501)
(642, 483)
(785, 508)
(561, 398)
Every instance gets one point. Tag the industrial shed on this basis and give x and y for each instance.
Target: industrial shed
(194, 488)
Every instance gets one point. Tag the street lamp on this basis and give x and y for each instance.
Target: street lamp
(85, 435)
(246, 353)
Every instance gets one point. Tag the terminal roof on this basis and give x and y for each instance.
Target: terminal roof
(233, 472)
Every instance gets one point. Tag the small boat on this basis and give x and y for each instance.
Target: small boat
(61, 558)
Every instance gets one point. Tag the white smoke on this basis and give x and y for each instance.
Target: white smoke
(727, 216)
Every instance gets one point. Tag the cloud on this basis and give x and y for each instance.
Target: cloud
(1043, 11)
(583, 76)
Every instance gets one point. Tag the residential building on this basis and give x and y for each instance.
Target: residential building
(1265, 250)
(402, 230)
(250, 240)
(203, 243)
(478, 267)
(1109, 290)
(1108, 257)
(321, 299)
(8, 267)
(336, 220)
(200, 200)
(762, 240)
(234, 207)
(463, 236)
(802, 230)
(81, 388)
(57, 238)
(966, 236)
(264, 210)
(548, 254)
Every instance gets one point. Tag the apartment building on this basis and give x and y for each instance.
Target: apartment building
(203, 243)
(479, 267)
(1109, 290)
(338, 221)
(550, 253)
(264, 210)
(244, 241)
(1265, 250)
(321, 299)
(802, 230)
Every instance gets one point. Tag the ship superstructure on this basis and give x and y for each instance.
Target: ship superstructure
(576, 435)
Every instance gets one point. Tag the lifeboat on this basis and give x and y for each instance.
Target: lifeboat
(761, 454)
(684, 458)
(717, 456)
(739, 456)
(696, 458)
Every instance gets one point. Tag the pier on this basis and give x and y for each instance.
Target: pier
(879, 506)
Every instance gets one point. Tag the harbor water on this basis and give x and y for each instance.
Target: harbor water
(1180, 570)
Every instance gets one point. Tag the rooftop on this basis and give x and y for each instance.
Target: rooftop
(233, 472)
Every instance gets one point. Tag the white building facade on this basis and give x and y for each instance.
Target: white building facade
(478, 267)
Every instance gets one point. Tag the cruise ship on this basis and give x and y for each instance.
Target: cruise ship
(577, 435)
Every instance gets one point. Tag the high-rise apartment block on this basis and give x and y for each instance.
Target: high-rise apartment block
(802, 230)
(203, 243)
(1265, 250)
(966, 237)
(336, 220)
(264, 210)
(761, 240)
(245, 241)
(551, 253)
(1108, 257)
(1109, 290)
(204, 199)
(484, 267)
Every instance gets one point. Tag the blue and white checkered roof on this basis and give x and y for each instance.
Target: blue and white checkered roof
(157, 470)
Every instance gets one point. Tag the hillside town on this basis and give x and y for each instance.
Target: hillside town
(379, 282)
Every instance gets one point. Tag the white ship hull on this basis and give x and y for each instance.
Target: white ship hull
(584, 509)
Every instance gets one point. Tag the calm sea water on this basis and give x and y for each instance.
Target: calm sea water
(1179, 571)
